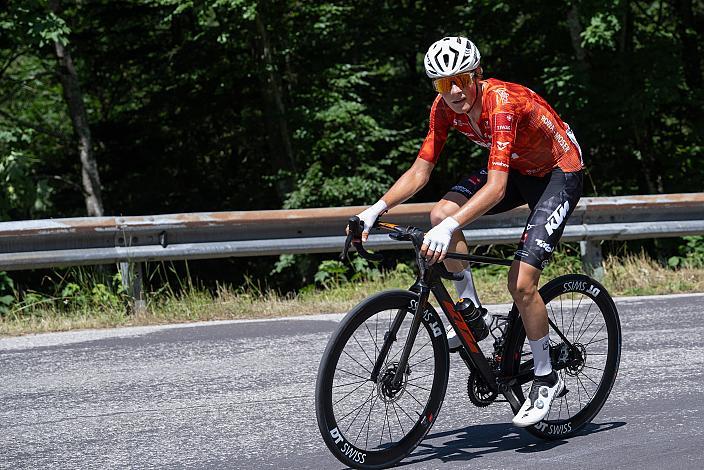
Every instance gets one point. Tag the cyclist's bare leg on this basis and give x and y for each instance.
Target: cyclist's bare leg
(446, 207)
(547, 385)
(523, 285)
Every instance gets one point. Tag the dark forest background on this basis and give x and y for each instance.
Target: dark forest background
(165, 106)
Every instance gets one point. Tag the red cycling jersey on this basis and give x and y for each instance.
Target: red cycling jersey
(521, 129)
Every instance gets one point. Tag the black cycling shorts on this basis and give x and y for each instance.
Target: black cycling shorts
(551, 199)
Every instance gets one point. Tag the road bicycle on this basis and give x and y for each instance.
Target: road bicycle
(383, 376)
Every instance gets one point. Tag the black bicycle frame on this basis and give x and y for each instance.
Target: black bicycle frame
(429, 281)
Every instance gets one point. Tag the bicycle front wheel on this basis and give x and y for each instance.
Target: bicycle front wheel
(582, 311)
(375, 423)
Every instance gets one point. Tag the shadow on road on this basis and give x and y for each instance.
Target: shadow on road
(476, 441)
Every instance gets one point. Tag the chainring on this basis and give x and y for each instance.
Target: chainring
(479, 392)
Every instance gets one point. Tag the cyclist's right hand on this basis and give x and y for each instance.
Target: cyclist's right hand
(368, 217)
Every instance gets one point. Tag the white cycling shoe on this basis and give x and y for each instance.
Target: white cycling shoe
(537, 405)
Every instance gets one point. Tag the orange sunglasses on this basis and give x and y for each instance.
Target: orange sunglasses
(444, 85)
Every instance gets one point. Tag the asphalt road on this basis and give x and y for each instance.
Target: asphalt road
(240, 395)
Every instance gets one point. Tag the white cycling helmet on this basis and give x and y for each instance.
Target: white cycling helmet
(450, 56)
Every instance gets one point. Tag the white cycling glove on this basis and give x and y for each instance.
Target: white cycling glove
(369, 216)
(438, 238)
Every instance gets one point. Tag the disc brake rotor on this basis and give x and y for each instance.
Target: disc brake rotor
(387, 391)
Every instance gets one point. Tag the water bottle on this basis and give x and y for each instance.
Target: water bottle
(474, 318)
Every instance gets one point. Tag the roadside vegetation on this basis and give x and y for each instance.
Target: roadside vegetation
(87, 298)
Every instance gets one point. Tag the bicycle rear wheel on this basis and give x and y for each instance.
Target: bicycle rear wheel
(374, 424)
(585, 314)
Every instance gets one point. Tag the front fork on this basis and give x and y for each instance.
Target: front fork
(390, 337)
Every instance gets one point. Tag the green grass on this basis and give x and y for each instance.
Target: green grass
(102, 304)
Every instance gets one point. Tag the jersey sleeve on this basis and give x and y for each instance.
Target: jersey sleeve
(503, 121)
(437, 133)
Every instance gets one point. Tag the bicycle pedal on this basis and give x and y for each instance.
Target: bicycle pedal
(563, 393)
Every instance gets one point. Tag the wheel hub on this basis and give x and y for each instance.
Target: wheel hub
(387, 390)
(578, 358)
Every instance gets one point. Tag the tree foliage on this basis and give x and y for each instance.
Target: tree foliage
(245, 105)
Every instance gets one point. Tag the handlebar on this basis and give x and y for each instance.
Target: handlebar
(397, 232)
(354, 237)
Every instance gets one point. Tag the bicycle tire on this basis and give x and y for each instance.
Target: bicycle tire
(517, 351)
(339, 436)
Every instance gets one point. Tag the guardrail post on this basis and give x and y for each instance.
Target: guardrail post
(592, 260)
(132, 281)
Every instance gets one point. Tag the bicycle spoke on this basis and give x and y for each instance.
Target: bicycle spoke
(350, 393)
(418, 386)
(554, 316)
(352, 373)
(564, 398)
(409, 416)
(376, 346)
(562, 314)
(367, 421)
(579, 334)
(430, 341)
(597, 341)
(358, 410)
(417, 351)
(584, 388)
(355, 360)
(579, 396)
(590, 379)
(422, 377)
(420, 362)
(350, 383)
(398, 419)
(598, 331)
(593, 368)
(413, 396)
(574, 315)
(363, 350)
(383, 425)
(587, 328)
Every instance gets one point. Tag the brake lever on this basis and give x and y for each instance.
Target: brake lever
(364, 253)
(354, 237)
(354, 233)
(346, 248)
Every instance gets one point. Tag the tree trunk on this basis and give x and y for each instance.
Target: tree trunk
(689, 42)
(575, 29)
(279, 141)
(79, 118)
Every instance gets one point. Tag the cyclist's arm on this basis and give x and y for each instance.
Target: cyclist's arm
(412, 181)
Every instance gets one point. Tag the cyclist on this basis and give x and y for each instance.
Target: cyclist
(534, 158)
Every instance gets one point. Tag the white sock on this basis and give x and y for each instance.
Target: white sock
(541, 355)
(465, 287)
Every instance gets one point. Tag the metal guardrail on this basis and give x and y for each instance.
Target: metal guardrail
(106, 240)
(130, 241)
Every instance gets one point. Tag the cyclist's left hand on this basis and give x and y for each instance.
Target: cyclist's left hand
(437, 240)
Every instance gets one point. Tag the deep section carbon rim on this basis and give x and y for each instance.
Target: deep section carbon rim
(376, 422)
(582, 310)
